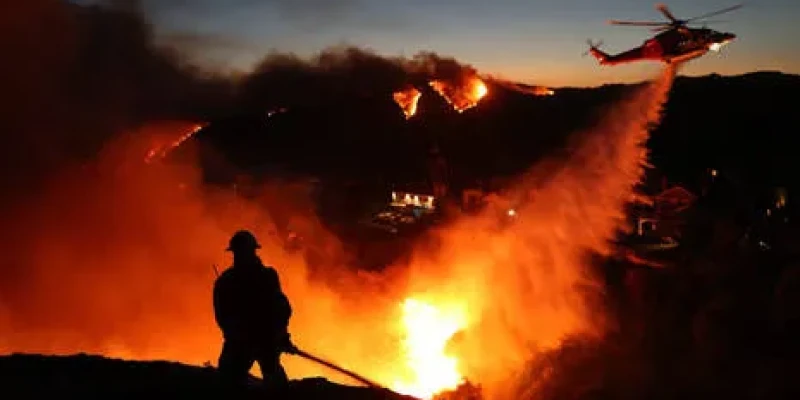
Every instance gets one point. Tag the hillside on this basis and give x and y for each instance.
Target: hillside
(85, 376)
(742, 124)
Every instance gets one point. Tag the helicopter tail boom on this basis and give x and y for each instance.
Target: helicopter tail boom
(594, 50)
(601, 56)
(604, 58)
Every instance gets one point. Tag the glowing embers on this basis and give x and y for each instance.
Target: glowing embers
(463, 94)
(159, 152)
(407, 99)
(428, 329)
(542, 91)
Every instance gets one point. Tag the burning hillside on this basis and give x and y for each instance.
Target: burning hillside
(337, 74)
(134, 280)
(462, 95)
(407, 99)
(463, 92)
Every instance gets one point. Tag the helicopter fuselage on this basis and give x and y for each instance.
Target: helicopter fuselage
(676, 42)
(672, 46)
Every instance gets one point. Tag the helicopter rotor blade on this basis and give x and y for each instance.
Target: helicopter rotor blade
(637, 23)
(664, 10)
(713, 21)
(714, 13)
(661, 29)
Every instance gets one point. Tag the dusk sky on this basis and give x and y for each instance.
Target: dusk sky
(533, 41)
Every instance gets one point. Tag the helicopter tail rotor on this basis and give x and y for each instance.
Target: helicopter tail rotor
(592, 46)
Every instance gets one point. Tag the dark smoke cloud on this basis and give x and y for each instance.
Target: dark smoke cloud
(87, 72)
(282, 79)
(196, 42)
(81, 74)
(213, 51)
(84, 73)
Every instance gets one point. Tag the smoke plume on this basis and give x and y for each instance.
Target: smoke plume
(86, 73)
(282, 79)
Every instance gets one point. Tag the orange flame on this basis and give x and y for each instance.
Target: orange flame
(543, 91)
(428, 330)
(159, 152)
(463, 95)
(407, 99)
(476, 307)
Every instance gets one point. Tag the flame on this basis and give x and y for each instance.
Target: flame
(428, 329)
(462, 95)
(479, 90)
(407, 99)
(522, 88)
(161, 151)
(476, 307)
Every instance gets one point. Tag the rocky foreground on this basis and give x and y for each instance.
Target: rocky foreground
(24, 376)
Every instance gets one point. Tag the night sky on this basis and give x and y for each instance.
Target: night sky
(533, 41)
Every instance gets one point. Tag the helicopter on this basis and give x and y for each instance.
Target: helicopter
(675, 42)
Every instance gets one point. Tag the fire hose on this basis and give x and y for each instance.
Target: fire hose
(339, 369)
(300, 353)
